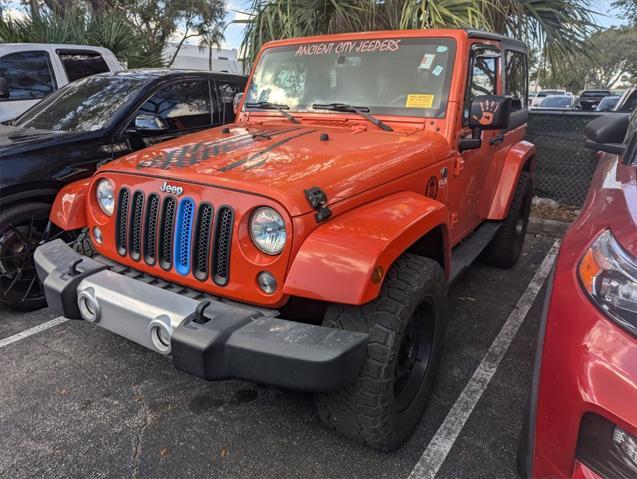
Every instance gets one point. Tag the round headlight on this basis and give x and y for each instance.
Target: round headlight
(267, 230)
(105, 196)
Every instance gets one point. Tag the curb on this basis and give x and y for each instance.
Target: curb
(547, 227)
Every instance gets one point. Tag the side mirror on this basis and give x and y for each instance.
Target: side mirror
(236, 101)
(4, 88)
(488, 112)
(607, 133)
(150, 123)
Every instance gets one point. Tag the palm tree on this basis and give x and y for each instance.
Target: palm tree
(557, 27)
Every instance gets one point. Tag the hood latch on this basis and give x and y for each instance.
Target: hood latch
(317, 199)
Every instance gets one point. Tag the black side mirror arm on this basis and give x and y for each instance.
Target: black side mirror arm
(614, 148)
(472, 143)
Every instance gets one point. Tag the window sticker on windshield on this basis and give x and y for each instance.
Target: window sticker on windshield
(419, 101)
(427, 61)
(360, 46)
(442, 49)
(438, 70)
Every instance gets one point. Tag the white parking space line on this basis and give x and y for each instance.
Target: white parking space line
(445, 437)
(30, 332)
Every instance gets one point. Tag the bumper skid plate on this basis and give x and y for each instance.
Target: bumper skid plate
(211, 339)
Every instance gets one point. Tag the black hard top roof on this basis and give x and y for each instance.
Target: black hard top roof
(508, 42)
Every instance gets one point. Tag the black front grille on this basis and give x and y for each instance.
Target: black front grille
(203, 232)
(150, 232)
(145, 227)
(122, 221)
(135, 234)
(166, 238)
(223, 239)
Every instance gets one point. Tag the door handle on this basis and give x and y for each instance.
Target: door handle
(496, 140)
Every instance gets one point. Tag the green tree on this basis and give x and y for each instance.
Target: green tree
(557, 27)
(628, 7)
(137, 31)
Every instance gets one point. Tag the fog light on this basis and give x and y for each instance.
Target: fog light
(267, 282)
(97, 234)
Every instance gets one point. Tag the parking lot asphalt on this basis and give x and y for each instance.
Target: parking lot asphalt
(78, 401)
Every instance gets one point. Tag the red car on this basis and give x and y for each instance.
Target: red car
(583, 408)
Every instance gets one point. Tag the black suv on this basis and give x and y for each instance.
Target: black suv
(73, 130)
(589, 99)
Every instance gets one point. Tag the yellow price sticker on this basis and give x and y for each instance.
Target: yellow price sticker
(419, 101)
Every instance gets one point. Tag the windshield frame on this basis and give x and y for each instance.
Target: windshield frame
(136, 87)
(420, 114)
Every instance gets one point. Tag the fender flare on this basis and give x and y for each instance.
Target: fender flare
(69, 207)
(336, 262)
(516, 160)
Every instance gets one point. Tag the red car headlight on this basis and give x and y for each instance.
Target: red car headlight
(609, 275)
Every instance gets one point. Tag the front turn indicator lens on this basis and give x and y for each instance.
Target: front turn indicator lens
(608, 273)
(104, 192)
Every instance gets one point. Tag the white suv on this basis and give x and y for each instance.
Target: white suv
(33, 70)
(542, 94)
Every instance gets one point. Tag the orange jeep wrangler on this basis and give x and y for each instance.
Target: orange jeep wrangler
(310, 244)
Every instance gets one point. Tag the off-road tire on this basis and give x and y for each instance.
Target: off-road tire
(367, 410)
(18, 239)
(505, 248)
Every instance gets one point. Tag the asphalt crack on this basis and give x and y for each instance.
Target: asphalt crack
(144, 417)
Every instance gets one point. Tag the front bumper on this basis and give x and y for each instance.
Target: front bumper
(209, 338)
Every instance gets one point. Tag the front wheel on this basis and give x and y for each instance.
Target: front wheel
(505, 248)
(406, 327)
(23, 228)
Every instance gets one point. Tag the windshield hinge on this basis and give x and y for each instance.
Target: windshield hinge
(317, 199)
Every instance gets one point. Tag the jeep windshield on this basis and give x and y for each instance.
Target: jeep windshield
(398, 76)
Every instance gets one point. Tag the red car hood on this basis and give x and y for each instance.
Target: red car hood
(281, 160)
(612, 203)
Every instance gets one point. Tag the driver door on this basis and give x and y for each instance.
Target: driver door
(468, 178)
(176, 109)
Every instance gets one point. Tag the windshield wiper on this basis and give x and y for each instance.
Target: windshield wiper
(266, 105)
(359, 110)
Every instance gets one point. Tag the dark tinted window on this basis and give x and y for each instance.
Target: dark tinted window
(29, 74)
(484, 77)
(595, 93)
(182, 105)
(515, 79)
(226, 91)
(85, 105)
(630, 103)
(82, 64)
(557, 102)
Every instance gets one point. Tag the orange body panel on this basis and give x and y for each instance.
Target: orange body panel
(514, 163)
(347, 250)
(385, 189)
(69, 208)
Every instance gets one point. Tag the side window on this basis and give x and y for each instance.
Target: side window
(29, 74)
(630, 103)
(515, 79)
(484, 76)
(181, 106)
(79, 64)
(225, 92)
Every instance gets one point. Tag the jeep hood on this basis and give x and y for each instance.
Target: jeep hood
(280, 161)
